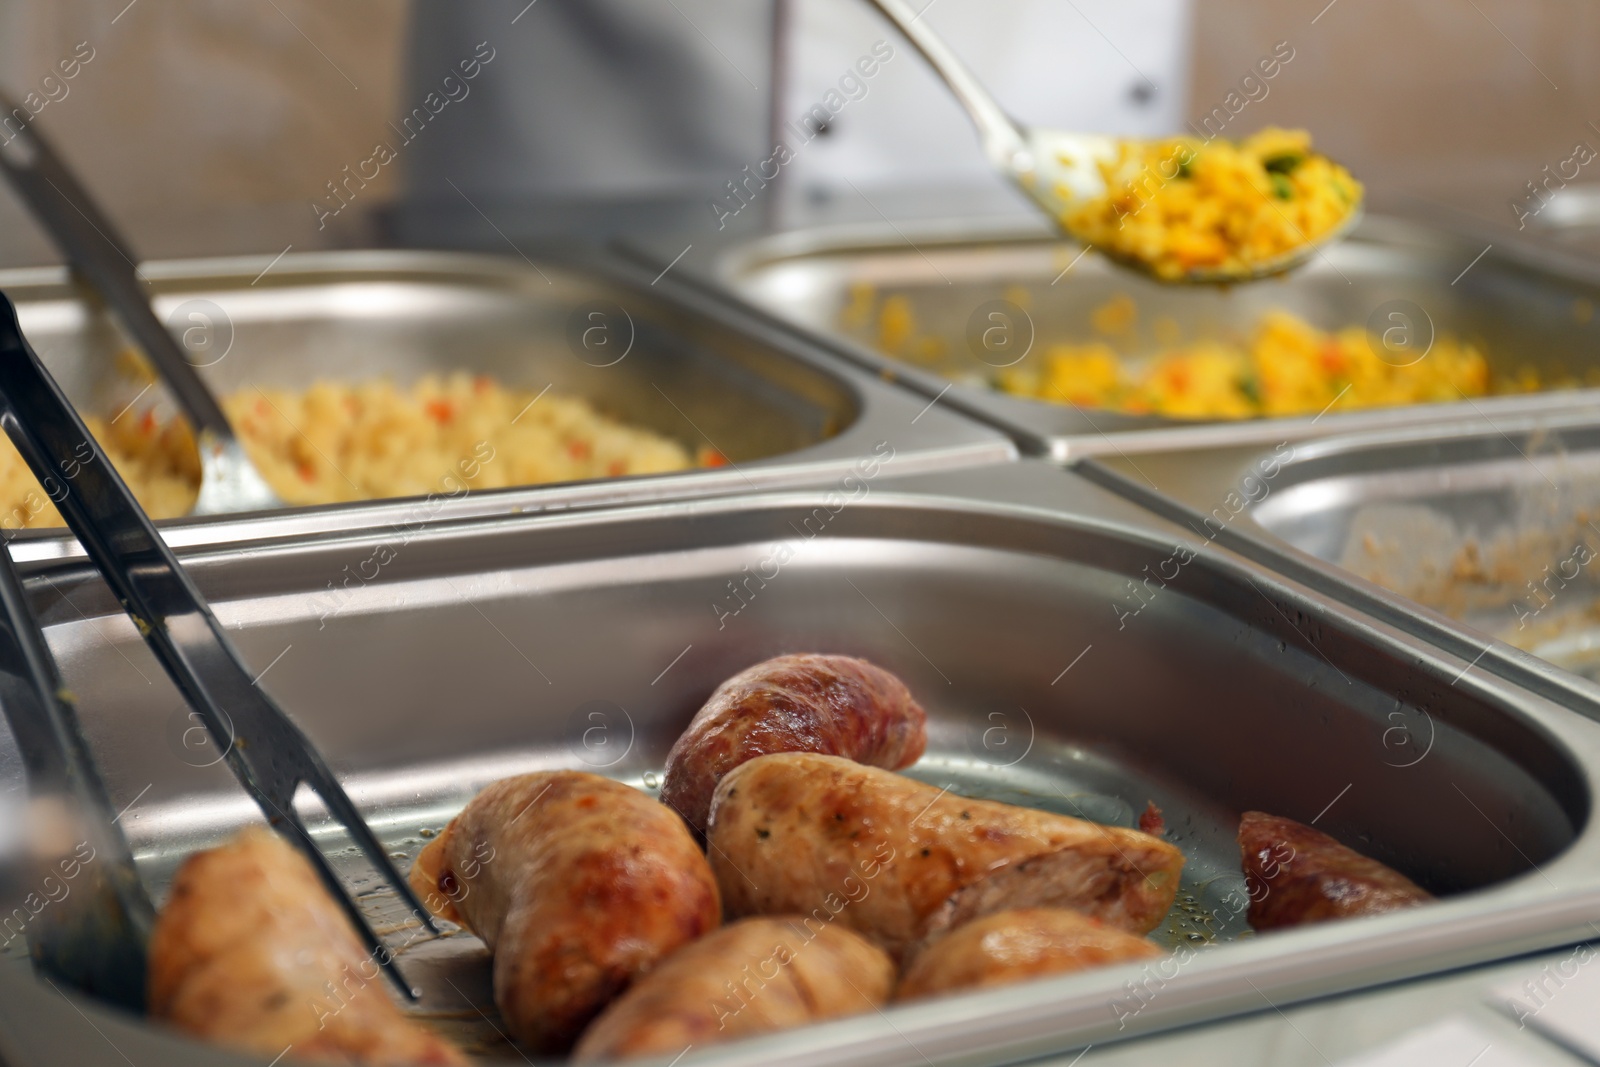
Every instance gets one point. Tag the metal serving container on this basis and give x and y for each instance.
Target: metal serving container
(685, 365)
(1016, 602)
(1526, 306)
(1479, 536)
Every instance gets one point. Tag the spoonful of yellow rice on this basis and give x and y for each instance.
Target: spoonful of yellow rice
(1189, 210)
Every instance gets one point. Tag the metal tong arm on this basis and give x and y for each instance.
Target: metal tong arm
(97, 252)
(1002, 138)
(93, 937)
(264, 749)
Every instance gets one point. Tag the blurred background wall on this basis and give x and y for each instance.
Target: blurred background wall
(207, 125)
(211, 125)
(1458, 101)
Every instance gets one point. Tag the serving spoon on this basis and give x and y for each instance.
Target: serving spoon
(1060, 170)
(229, 482)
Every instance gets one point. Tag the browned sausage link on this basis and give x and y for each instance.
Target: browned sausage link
(1013, 946)
(835, 705)
(1297, 875)
(578, 884)
(251, 951)
(799, 832)
(753, 977)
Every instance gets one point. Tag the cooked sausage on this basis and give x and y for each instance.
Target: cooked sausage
(251, 951)
(1012, 946)
(1297, 875)
(753, 977)
(1058, 879)
(806, 703)
(577, 884)
(820, 835)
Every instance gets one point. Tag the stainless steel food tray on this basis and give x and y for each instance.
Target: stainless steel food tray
(688, 366)
(1526, 305)
(1003, 596)
(1478, 536)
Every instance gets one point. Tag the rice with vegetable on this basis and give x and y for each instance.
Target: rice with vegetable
(1286, 367)
(1281, 365)
(1185, 203)
(340, 442)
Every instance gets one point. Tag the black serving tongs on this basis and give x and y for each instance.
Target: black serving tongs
(87, 917)
(266, 751)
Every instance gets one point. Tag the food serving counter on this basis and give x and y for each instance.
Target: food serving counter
(701, 378)
(1010, 596)
(987, 319)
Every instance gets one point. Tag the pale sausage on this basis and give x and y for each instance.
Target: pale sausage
(820, 835)
(1013, 946)
(753, 977)
(251, 951)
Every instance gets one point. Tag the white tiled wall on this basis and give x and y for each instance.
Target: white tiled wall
(1102, 65)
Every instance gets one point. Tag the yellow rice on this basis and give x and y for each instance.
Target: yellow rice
(1287, 367)
(1283, 365)
(338, 442)
(1187, 203)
